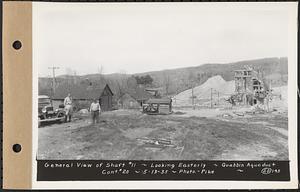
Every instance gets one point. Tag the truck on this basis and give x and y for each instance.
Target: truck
(47, 113)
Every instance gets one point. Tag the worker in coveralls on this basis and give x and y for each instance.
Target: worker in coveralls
(68, 107)
(95, 110)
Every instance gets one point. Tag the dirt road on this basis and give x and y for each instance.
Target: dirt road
(125, 134)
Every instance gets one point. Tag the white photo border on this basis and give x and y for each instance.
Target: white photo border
(292, 115)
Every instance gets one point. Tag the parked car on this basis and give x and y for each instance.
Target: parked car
(46, 111)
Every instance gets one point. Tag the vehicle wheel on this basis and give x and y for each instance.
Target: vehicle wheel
(63, 120)
(62, 116)
(39, 122)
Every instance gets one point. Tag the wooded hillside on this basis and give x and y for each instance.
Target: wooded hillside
(172, 81)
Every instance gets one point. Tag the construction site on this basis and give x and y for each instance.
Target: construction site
(242, 119)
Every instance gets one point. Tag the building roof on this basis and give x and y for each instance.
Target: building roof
(242, 70)
(154, 89)
(141, 94)
(80, 91)
(159, 101)
(126, 96)
(43, 97)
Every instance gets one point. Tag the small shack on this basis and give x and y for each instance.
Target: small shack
(83, 95)
(126, 101)
(158, 106)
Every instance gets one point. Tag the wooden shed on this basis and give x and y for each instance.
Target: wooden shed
(83, 95)
(128, 102)
(105, 98)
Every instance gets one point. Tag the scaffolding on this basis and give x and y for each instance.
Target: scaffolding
(249, 86)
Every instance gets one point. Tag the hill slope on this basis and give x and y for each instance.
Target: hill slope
(174, 81)
(185, 78)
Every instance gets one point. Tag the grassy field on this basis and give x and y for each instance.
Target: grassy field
(186, 135)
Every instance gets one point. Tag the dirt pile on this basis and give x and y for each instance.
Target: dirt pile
(281, 92)
(216, 85)
(279, 98)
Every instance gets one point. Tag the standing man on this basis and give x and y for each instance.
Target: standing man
(68, 107)
(95, 110)
(267, 100)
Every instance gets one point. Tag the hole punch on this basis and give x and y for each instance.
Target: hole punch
(17, 148)
(17, 45)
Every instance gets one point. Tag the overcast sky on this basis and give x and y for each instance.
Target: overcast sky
(144, 37)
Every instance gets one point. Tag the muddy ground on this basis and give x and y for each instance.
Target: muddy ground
(184, 135)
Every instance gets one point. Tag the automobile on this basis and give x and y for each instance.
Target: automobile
(46, 111)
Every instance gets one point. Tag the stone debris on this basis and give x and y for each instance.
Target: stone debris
(238, 113)
(157, 141)
(227, 115)
(179, 113)
(256, 109)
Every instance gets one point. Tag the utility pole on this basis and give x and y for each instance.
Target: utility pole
(53, 78)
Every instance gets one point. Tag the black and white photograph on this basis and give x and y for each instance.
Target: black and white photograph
(163, 82)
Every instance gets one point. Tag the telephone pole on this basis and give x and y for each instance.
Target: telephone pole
(53, 77)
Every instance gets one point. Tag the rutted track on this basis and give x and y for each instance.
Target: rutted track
(192, 137)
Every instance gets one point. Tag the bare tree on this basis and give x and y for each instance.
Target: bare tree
(131, 84)
(71, 76)
(122, 84)
(166, 82)
(74, 76)
(100, 72)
